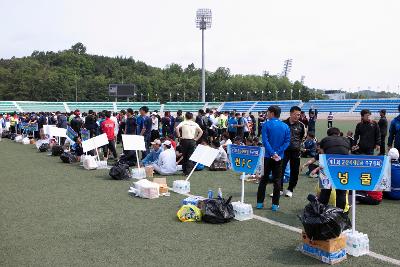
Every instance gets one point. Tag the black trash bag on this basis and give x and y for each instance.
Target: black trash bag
(129, 157)
(5, 134)
(323, 222)
(68, 157)
(217, 210)
(44, 147)
(57, 150)
(12, 136)
(120, 171)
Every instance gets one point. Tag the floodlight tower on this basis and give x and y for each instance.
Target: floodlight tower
(287, 67)
(203, 22)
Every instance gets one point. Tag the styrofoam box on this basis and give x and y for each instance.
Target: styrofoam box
(242, 211)
(181, 186)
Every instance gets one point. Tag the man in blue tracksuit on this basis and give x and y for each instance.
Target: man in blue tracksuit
(394, 132)
(276, 139)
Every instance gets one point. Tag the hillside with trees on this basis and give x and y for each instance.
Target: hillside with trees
(54, 76)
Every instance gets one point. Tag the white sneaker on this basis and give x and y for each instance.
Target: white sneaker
(272, 194)
(289, 193)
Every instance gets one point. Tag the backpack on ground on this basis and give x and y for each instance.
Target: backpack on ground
(57, 150)
(120, 171)
(5, 134)
(43, 147)
(68, 157)
(12, 136)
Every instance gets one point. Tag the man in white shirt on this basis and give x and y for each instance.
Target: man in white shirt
(166, 164)
(116, 125)
(189, 133)
(155, 133)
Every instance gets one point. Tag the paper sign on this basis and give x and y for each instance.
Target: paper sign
(100, 140)
(88, 145)
(94, 142)
(204, 155)
(58, 132)
(245, 158)
(133, 142)
(355, 172)
(47, 129)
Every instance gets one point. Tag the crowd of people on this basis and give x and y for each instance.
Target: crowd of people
(171, 140)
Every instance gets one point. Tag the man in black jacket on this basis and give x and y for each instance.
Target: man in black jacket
(367, 135)
(292, 153)
(334, 144)
(383, 128)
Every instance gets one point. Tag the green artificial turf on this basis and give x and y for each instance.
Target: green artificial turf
(55, 214)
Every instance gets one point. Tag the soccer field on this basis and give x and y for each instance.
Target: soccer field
(55, 214)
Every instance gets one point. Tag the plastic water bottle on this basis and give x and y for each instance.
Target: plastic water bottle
(210, 194)
(219, 193)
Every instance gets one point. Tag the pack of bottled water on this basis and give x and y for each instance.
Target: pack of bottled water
(145, 189)
(138, 173)
(357, 244)
(242, 211)
(181, 186)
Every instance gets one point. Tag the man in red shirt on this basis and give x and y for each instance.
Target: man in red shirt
(107, 127)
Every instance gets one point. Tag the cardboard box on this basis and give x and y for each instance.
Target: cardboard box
(149, 171)
(326, 257)
(163, 184)
(331, 245)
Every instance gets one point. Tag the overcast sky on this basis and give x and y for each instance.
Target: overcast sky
(335, 44)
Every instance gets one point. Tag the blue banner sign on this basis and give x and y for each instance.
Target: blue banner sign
(71, 134)
(85, 134)
(245, 158)
(355, 172)
(28, 127)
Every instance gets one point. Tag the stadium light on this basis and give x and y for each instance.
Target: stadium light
(203, 22)
(287, 67)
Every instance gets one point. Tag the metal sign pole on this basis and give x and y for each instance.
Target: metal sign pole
(190, 174)
(353, 211)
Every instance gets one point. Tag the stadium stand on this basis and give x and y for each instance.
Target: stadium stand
(375, 105)
(331, 105)
(7, 107)
(213, 104)
(41, 106)
(324, 106)
(184, 106)
(86, 106)
(137, 105)
(284, 105)
(242, 106)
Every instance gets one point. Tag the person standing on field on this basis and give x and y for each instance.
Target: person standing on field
(293, 152)
(383, 128)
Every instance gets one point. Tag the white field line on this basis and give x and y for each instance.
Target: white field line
(298, 230)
